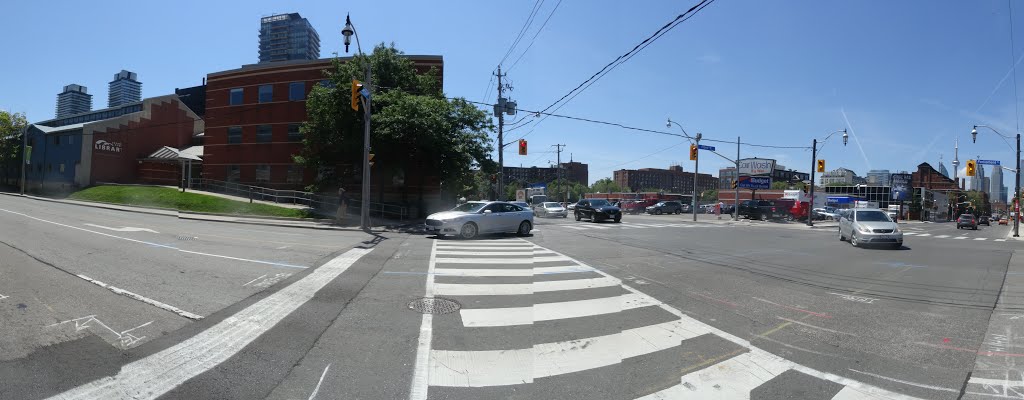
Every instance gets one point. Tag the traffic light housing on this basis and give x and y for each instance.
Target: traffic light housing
(370, 158)
(971, 167)
(494, 178)
(821, 165)
(522, 147)
(693, 152)
(356, 87)
(734, 183)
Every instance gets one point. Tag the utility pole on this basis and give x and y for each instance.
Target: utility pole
(558, 166)
(814, 161)
(736, 206)
(501, 138)
(24, 157)
(696, 164)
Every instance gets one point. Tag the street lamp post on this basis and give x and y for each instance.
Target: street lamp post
(1016, 203)
(696, 141)
(814, 162)
(364, 207)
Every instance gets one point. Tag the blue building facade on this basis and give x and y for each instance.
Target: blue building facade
(56, 157)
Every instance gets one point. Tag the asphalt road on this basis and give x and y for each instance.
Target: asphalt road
(654, 307)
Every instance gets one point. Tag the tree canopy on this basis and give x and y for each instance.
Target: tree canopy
(11, 126)
(414, 126)
(605, 185)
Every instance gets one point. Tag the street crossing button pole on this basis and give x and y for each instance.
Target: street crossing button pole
(364, 206)
(814, 161)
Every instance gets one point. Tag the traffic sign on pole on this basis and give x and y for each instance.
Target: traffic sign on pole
(989, 162)
(703, 147)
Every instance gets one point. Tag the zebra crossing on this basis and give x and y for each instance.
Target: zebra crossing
(536, 324)
(625, 225)
(954, 237)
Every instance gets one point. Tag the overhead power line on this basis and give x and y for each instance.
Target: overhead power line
(534, 38)
(526, 26)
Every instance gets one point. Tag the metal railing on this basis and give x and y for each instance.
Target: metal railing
(324, 204)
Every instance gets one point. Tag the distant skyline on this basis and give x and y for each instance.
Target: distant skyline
(894, 74)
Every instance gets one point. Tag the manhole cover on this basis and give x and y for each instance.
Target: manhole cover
(436, 305)
(187, 238)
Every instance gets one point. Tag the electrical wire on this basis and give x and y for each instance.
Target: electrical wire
(526, 26)
(534, 38)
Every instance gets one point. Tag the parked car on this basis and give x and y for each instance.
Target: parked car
(757, 209)
(687, 208)
(665, 207)
(478, 217)
(868, 226)
(596, 210)
(637, 206)
(1004, 221)
(551, 209)
(983, 220)
(967, 221)
(570, 206)
(522, 204)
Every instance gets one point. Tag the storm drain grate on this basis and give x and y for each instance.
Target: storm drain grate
(434, 305)
(187, 238)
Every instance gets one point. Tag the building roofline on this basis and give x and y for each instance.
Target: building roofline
(292, 63)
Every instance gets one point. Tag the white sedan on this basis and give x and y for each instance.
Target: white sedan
(478, 217)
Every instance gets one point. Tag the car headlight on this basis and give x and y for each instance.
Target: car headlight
(863, 229)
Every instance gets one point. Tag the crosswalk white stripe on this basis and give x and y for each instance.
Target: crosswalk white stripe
(941, 236)
(561, 269)
(506, 367)
(925, 234)
(980, 238)
(960, 237)
(496, 242)
(730, 379)
(1000, 240)
(551, 311)
(850, 393)
(579, 228)
(480, 260)
(524, 252)
(505, 289)
(493, 248)
(482, 272)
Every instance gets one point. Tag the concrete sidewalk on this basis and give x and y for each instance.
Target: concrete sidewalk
(997, 368)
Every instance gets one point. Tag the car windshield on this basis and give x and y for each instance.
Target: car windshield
(598, 203)
(967, 216)
(551, 204)
(872, 216)
(469, 207)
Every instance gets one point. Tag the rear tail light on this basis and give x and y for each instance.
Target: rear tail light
(773, 209)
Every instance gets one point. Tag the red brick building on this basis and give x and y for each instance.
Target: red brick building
(673, 180)
(929, 178)
(253, 115)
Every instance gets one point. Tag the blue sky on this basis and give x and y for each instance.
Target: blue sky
(904, 77)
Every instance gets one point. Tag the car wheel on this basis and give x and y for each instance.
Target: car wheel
(524, 228)
(853, 239)
(577, 215)
(565, 216)
(678, 211)
(841, 238)
(657, 212)
(764, 217)
(468, 231)
(618, 220)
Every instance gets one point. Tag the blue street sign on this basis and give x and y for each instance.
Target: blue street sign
(755, 182)
(703, 147)
(988, 162)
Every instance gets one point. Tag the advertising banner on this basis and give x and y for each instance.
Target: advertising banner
(756, 167)
(899, 187)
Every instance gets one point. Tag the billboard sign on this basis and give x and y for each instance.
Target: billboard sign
(899, 187)
(756, 166)
(755, 182)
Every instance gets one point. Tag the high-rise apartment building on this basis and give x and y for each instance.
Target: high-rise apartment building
(996, 190)
(75, 99)
(880, 177)
(286, 37)
(124, 89)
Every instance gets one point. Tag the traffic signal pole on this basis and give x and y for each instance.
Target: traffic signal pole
(736, 205)
(501, 142)
(814, 161)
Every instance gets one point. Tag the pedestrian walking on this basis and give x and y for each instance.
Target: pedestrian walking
(342, 205)
(718, 210)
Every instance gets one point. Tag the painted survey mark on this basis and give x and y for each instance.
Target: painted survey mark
(859, 299)
(122, 229)
(267, 280)
(126, 339)
(3, 297)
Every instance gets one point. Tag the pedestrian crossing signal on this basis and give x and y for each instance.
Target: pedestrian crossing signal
(522, 147)
(971, 167)
(734, 183)
(821, 165)
(693, 152)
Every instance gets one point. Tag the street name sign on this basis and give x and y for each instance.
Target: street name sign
(988, 162)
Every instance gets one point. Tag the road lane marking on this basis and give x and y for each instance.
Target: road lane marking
(980, 238)
(1000, 240)
(124, 229)
(142, 298)
(320, 382)
(154, 244)
(420, 385)
(525, 252)
(477, 317)
(455, 368)
(941, 236)
(482, 260)
(731, 379)
(925, 234)
(157, 374)
(3, 297)
(920, 385)
(254, 280)
(508, 289)
(813, 326)
(124, 338)
(960, 237)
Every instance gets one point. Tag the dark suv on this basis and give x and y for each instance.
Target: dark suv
(596, 210)
(967, 221)
(983, 220)
(665, 207)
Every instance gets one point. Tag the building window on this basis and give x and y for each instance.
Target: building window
(236, 96)
(293, 133)
(234, 134)
(234, 173)
(294, 174)
(264, 133)
(266, 93)
(62, 168)
(262, 173)
(296, 91)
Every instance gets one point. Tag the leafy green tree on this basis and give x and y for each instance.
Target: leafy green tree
(780, 185)
(652, 189)
(605, 185)
(510, 190)
(11, 126)
(414, 128)
(709, 195)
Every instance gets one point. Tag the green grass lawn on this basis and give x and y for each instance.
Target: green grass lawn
(174, 199)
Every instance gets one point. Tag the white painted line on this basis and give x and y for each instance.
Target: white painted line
(561, 270)
(579, 228)
(941, 236)
(476, 272)
(420, 385)
(1000, 240)
(996, 382)
(254, 280)
(505, 367)
(143, 299)
(154, 244)
(125, 229)
(921, 385)
(3, 297)
(925, 234)
(157, 374)
(477, 317)
(485, 243)
(980, 238)
(909, 233)
(525, 252)
(320, 382)
(960, 237)
(849, 393)
(490, 248)
(731, 379)
(481, 260)
(507, 289)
